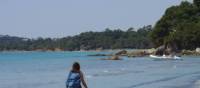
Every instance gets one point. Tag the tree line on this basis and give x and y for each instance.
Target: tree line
(107, 39)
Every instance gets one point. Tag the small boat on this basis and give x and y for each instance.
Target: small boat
(165, 57)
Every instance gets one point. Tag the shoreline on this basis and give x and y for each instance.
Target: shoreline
(119, 52)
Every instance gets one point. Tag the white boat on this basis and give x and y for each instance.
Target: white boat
(165, 57)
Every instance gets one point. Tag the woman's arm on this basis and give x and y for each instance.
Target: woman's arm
(82, 80)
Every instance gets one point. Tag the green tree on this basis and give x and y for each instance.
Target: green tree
(197, 3)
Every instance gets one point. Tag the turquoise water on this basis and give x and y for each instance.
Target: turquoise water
(50, 69)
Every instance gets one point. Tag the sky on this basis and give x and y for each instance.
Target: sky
(60, 18)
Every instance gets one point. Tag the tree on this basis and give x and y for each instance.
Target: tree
(197, 3)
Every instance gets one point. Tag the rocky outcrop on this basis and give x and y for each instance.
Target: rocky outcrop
(160, 50)
(190, 52)
(99, 55)
(58, 49)
(136, 53)
(99, 49)
(198, 50)
(121, 53)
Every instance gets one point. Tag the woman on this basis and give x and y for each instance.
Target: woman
(75, 77)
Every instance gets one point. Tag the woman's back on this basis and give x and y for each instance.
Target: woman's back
(74, 80)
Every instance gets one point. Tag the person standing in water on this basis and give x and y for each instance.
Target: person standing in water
(75, 77)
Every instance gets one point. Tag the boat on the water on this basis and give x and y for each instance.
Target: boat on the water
(165, 57)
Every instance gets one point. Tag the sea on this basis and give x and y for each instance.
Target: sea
(50, 70)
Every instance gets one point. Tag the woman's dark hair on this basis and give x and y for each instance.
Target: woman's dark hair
(76, 66)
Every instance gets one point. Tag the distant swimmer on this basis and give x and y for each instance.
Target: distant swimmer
(75, 77)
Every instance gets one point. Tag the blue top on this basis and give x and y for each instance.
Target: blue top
(74, 80)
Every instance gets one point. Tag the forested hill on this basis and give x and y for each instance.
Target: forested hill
(108, 39)
(179, 25)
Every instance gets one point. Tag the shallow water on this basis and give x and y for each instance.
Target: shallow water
(50, 69)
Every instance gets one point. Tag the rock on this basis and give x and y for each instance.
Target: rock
(123, 52)
(160, 50)
(138, 53)
(198, 50)
(98, 55)
(58, 49)
(99, 49)
(129, 55)
(115, 57)
(151, 51)
(189, 52)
